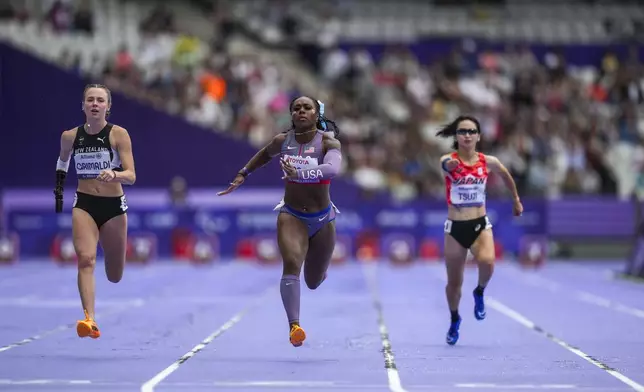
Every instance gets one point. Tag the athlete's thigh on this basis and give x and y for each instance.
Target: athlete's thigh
(321, 247)
(292, 238)
(84, 235)
(453, 251)
(455, 257)
(113, 238)
(483, 247)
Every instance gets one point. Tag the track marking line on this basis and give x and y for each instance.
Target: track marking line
(149, 385)
(581, 295)
(604, 302)
(56, 303)
(519, 318)
(516, 386)
(133, 303)
(297, 385)
(274, 384)
(60, 328)
(371, 277)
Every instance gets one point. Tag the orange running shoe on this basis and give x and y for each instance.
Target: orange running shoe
(87, 327)
(297, 335)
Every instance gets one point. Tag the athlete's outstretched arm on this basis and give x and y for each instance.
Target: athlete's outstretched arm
(497, 167)
(260, 159)
(329, 168)
(263, 156)
(62, 165)
(124, 148)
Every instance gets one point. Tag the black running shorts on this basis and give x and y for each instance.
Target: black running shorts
(467, 231)
(100, 208)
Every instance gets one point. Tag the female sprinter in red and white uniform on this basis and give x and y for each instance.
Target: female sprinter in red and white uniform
(467, 226)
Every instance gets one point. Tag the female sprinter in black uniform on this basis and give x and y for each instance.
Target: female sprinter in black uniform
(310, 157)
(467, 226)
(103, 162)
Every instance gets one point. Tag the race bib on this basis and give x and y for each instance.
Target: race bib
(302, 163)
(90, 164)
(468, 194)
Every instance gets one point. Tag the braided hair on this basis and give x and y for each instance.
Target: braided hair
(323, 123)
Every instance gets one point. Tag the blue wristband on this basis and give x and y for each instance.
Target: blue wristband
(444, 163)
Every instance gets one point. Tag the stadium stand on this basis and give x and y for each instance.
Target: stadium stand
(561, 126)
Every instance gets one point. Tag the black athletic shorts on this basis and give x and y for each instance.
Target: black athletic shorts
(467, 231)
(100, 208)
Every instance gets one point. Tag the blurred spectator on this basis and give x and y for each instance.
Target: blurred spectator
(83, 18)
(123, 61)
(13, 10)
(623, 151)
(60, 15)
(160, 20)
(188, 51)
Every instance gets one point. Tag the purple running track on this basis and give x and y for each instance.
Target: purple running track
(159, 313)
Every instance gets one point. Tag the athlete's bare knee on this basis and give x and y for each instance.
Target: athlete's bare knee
(86, 261)
(455, 267)
(454, 279)
(454, 283)
(291, 267)
(486, 261)
(453, 289)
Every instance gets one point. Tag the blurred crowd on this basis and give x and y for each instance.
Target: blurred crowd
(559, 129)
(59, 15)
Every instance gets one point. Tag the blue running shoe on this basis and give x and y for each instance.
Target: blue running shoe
(479, 307)
(452, 334)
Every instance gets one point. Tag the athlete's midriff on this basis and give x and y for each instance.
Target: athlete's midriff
(98, 188)
(308, 198)
(465, 213)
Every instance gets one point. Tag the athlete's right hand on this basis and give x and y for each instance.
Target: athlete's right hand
(451, 164)
(239, 179)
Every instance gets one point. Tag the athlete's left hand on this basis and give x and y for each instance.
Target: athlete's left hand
(517, 208)
(107, 175)
(289, 170)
